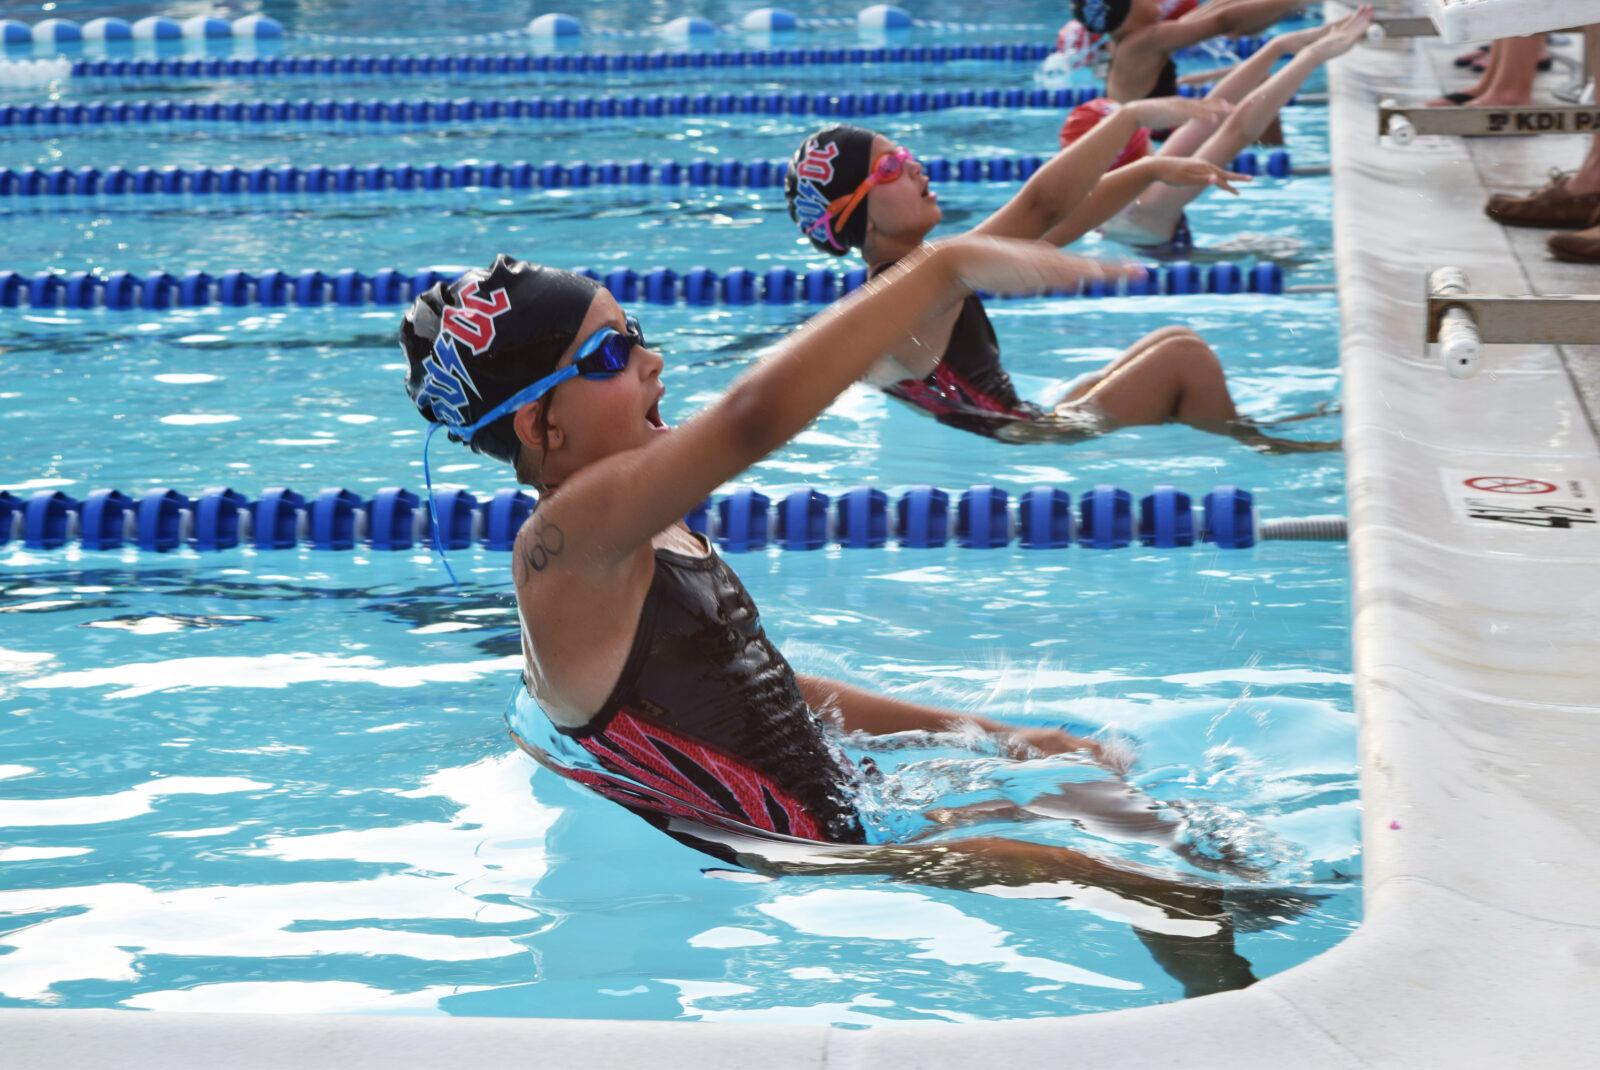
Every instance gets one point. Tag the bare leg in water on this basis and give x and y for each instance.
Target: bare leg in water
(1184, 923)
(1170, 374)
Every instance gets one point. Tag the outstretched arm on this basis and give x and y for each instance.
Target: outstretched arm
(615, 505)
(1228, 18)
(859, 710)
(1061, 184)
(1259, 98)
(1121, 187)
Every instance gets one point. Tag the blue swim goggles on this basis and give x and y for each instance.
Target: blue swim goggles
(604, 354)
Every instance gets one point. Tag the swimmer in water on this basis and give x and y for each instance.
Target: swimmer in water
(1143, 39)
(641, 645)
(850, 188)
(1155, 222)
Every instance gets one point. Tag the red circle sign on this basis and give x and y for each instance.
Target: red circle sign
(1510, 485)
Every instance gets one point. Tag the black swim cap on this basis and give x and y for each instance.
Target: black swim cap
(829, 164)
(473, 343)
(1101, 16)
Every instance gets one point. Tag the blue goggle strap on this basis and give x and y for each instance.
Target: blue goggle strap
(538, 389)
(532, 392)
(433, 513)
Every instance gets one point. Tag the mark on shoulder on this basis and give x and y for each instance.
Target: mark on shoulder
(539, 543)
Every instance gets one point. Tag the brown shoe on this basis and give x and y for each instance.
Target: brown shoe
(1578, 246)
(1551, 206)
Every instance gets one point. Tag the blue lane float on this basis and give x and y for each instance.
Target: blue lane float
(162, 520)
(884, 17)
(108, 30)
(206, 28)
(554, 26)
(157, 28)
(522, 64)
(687, 28)
(516, 175)
(150, 28)
(387, 67)
(698, 286)
(374, 115)
(57, 32)
(769, 20)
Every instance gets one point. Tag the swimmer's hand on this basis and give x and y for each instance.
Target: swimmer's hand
(1012, 266)
(1343, 35)
(1164, 113)
(1032, 742)
(1192, 171)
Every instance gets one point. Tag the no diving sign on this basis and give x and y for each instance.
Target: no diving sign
(1530, 500)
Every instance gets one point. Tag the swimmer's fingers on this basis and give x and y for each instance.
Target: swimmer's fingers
(1223, 178)
(1191, 171)
(1026, 742)
(1344, 34)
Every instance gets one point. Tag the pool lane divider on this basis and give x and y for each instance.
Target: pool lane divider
(213, 29)
(424, 112)
(160, 290)
(588, 63)
(865, 517)
(518, 175)
(514, 63)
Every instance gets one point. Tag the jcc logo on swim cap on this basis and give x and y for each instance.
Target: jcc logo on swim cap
(471, 324)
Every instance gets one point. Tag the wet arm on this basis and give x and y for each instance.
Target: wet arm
(1228, 19)
(1061, 184)
(1114, 192)
(617, 504)
(858, 710)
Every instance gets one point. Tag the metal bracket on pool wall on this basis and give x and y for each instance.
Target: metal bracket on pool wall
(1461, 321)
(1386, 26)
(1404, 123)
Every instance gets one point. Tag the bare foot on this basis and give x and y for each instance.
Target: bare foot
(1502, 99)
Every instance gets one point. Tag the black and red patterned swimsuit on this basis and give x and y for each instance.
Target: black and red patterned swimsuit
(969, 389)
(708, 719)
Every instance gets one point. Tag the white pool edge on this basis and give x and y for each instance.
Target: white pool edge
(1478, 749)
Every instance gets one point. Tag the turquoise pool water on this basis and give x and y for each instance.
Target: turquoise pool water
(281, 780)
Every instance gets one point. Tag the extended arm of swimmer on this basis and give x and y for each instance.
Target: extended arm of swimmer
(858, 710)
(1061, 184)
(1229, 19)
(1260, 94)
(1207, 77)
(615, 505)
(1141, 53)
(1122, 187)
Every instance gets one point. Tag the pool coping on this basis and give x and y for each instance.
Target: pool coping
(1478, 739)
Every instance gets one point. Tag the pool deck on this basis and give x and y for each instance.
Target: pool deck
(1477, 662)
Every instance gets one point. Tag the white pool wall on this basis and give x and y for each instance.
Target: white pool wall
(1477, 669)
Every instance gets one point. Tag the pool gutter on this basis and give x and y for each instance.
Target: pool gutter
(1477, 663)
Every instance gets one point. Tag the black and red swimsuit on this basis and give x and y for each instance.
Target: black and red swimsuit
(707, 719)
(969, 389)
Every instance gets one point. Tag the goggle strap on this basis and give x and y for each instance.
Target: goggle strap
(526, 395)
(532, 393)
(433, 512)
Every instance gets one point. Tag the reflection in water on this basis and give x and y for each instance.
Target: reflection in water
(216, 779)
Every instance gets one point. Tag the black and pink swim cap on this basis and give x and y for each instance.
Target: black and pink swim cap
(473, 343)
(828, 165)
